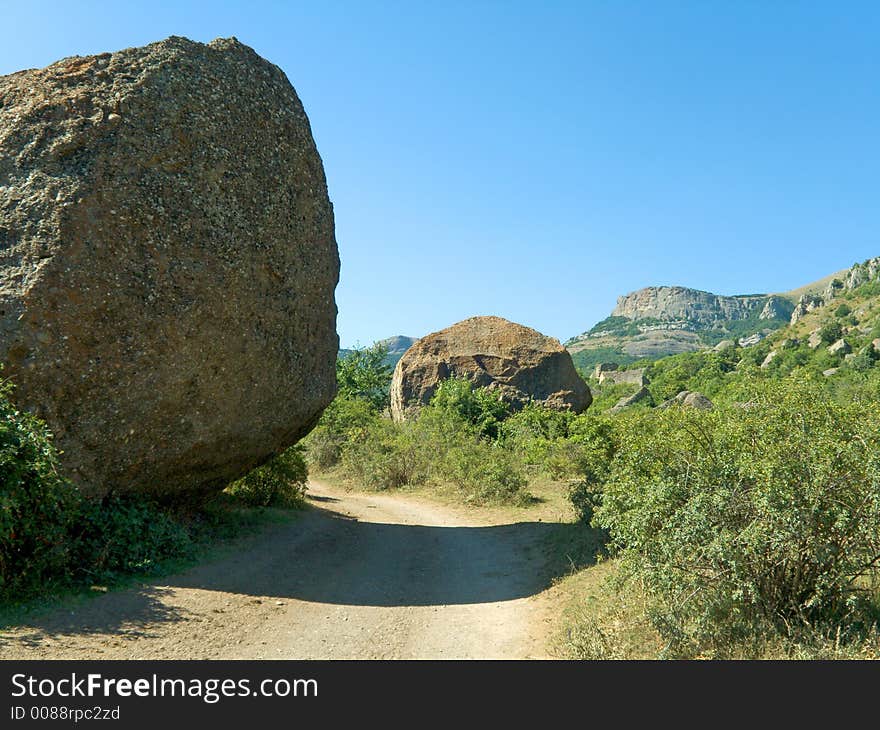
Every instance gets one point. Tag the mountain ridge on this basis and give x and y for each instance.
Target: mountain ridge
(657, 321)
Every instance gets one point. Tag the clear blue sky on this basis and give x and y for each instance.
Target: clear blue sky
(536, 160)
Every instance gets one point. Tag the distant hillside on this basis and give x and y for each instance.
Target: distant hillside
(667, 320)
(397, 346)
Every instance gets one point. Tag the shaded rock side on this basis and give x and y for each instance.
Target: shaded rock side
(519, 362)
(640, 395)
(635, 376)
(689, 399)
(168, 263)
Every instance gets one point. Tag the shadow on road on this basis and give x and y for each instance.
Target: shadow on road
(325, 557)
(338, 560)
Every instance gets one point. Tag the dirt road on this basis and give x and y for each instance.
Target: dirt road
(356, 576)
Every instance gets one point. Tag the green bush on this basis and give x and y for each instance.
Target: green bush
(831, 332)
(37, 507)
(386, 455)
(486, 473)
(842, 311)
(445, 443)
(120, 535)
(752, 521)
(479, 406)
(345, 418)
(280, 481)
(365, 374)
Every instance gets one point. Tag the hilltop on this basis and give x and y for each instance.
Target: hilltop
(396, 345)
(659, 321)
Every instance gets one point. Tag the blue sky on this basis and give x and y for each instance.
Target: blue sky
(536, 160)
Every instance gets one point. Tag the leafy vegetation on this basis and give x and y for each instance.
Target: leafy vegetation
(751, 522)
(365, 373)
(53, 538)
(280, 481)
(585, 360)
(455, 440)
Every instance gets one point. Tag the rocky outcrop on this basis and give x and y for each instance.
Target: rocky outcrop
(751, 339)
(640, 395)
(771, 356)
(776, 308)
(689, 399)
(724, 345)
(859, 274)
(522, 365)
(168, 263)
(814, 340)
(681, 303)
(862, 274)
(806, 304)
(615, 377)
(604, 367)
(841, 347)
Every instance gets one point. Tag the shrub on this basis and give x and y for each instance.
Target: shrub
(479, 406)
(831, 332)
(37, 507)
(842, 311)
(862, 362)
(119, 535)
(280, 481)
(365, 374)
(387, 455)
(342, 420)
(751, 521)
(486, 472)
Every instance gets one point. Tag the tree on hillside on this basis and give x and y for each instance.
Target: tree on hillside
(364, 373)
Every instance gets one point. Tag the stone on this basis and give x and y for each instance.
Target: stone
(829, 372)
(689, 399)
(724, 345)
(674, 303)
(806, 304)
(841, 347)
(604, 367)
(862, 273)
(771, 356)
(814, 340)
(789, 343)
(630, 400)
(751, 339)
(522, 365)
(776, 308)
(168, 264)
(876, 345)
(635, 376)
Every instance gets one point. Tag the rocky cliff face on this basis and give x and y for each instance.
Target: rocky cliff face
(167, 263)
(668, 320)
(676, 303)
(863, 273)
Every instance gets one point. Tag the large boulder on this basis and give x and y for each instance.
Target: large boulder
(168, 263)
(521, 364)
(635, 376)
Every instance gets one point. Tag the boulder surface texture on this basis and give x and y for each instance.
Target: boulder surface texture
(522, 365)
(167, 263)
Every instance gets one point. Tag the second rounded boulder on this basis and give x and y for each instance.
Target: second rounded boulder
(520, 363)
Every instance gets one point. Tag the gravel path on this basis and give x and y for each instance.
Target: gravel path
(358, 576)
